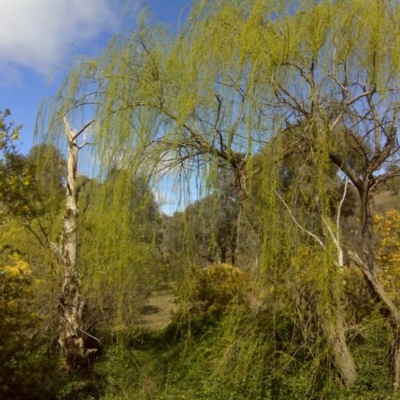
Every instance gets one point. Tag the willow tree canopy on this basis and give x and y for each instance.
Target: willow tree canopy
(236, 76)
(245, 85)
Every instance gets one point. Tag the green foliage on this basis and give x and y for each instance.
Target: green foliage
(244, 355)
(119, 237)
(25, 368)
(216, 287)
(79, 389)
(30, 186)
(15, 176)
(50, 171)
(211, 227)
(388, 251)
(9, 133)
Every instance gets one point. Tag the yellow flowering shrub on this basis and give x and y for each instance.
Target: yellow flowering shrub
(216, 287)
(18, 344)
(387, 229)
(15, 281)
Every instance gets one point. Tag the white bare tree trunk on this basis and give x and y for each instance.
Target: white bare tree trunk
(71, 335)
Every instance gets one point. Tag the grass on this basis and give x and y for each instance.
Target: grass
(156, 313)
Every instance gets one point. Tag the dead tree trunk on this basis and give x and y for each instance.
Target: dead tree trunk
(72, 335)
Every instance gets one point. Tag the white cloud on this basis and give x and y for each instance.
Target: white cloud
(41, 34)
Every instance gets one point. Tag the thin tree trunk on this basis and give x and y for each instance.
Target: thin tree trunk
(334, 331)
(71, 335)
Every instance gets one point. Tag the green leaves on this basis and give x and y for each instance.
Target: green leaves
(9, 133)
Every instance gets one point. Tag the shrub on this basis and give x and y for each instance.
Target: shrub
(208, 295)
(217, 287)
(22, 356)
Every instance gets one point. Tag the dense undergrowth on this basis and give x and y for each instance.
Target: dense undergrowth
(192, 377)
(227, 339)
(221, 362)
(224, 343)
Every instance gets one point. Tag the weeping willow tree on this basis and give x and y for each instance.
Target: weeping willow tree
(246, 87)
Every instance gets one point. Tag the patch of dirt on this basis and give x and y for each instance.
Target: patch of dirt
(386, 201)
(156, 312)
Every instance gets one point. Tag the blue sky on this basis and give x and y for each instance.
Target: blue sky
(38, 38)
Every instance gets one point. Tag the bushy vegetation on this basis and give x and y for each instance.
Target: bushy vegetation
(25, 368)
(213, 290)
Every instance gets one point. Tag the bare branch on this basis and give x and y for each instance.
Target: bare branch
(236, 123)
(376, 285)
(345, 90)
(360, 96)
(349, 172)
(298, 106)
(36, 235)
(56, 250)
(82, 130)
(336, 241)
(316, 238)
(88, 334)
(341, 204)
(387, 175)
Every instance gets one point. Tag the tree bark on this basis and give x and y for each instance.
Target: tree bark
(334, 331)
(71, 335)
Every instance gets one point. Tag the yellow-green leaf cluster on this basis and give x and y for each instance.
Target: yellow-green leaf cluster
(216, 287)
(19, 347)
(15, 292)
(387, 228)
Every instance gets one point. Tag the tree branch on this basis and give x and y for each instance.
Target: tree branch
(349, 172)
(56, 250)
(316, 238)
(82, 130)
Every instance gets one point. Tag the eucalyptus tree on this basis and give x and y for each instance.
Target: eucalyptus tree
(212, 226)
(14, 174)
(27, 191)
(239, 78)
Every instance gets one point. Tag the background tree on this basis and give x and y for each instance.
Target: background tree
(25, 300)
(120, 252)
